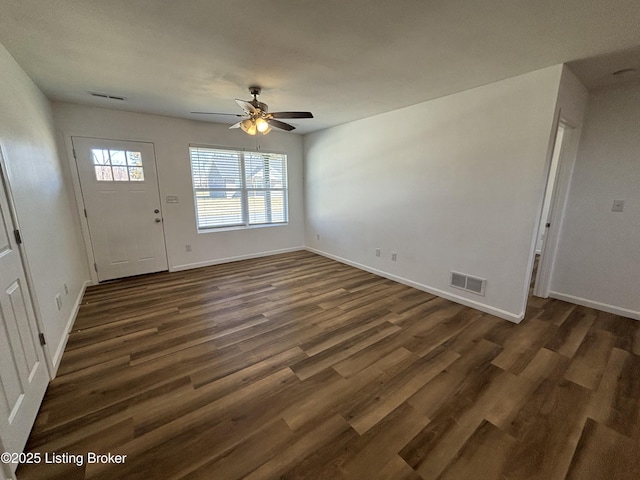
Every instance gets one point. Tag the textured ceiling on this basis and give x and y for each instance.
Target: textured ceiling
(342, 60)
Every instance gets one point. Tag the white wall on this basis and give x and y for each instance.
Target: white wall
(598, 261)
(171, 138)
(455, 183)
(40, 191)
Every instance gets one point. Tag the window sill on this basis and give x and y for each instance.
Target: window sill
(240, 227)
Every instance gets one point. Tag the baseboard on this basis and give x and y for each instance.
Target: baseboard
(189, 266)
(425, 288)
(57, 357)
(605, 307)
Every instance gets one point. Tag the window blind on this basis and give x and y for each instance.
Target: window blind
(235, 188)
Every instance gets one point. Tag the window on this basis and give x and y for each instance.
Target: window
(117, 165)
(235, 188)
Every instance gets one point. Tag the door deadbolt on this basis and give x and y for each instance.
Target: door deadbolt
(156, 211)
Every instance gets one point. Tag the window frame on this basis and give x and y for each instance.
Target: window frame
(244, 190)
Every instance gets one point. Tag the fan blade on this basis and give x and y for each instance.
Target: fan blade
(235, 125)
(214, 113)
(291, 115)
(246, 106)
(279, 124)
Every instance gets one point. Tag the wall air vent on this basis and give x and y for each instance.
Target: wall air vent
(107, 96)
(468, 283)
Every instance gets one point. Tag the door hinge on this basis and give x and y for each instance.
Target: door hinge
(43, 342)
(18, 236)
(548, 225)
(85, 213)
(95, 267)
(74, 154)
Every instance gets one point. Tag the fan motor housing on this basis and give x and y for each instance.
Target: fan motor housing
(259, 105)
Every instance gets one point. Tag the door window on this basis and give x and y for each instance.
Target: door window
(117, 165)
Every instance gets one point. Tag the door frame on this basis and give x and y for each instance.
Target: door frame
(4, 178)
(559, 196)
(77, 190)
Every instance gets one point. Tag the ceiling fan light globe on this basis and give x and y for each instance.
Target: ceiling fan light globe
(248, 126)
(262, 125)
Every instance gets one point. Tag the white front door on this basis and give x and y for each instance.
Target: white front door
(23, 372)
(122, 202)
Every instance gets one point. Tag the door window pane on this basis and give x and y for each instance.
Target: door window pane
(100, 157)
(117, 157)
(134, 159)
(136, 174)
(117, 165)
(120, 174)
(103, 174)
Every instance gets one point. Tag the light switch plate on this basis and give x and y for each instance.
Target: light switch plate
(618, 206)
(172, 199)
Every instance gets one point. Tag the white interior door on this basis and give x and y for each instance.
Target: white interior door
(122, 202)
(554, 204)
(548, 194)
(23, 372)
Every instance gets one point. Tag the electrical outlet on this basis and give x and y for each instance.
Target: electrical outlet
(394, 256)
(59, 302)
(66, 289)
(618, 206)
(187, 248)
(377, 252)
(317, 236)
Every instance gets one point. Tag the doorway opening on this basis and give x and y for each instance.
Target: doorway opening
(121, 207)
(552, 210)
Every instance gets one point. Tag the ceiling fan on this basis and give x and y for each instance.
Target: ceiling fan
(257, 116)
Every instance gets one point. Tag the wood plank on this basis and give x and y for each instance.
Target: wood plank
(392, 393)
(591, 358)
(326, 432)
(482, 457)
(297, 366)
(569, 336)
(383, 441)
(616, 402)
(548, 429)
(604, 453)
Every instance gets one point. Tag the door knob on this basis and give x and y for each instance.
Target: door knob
(158, 220)
(156, 211)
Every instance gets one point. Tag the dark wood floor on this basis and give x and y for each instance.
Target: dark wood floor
(299, 367)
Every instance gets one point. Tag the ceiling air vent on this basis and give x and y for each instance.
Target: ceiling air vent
(107, 96)
(468, 283)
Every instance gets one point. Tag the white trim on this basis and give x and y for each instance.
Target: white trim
(240, 227)
(605, 307)
(207, 263)
(425, 288)
(57, 357)
(77, 190)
